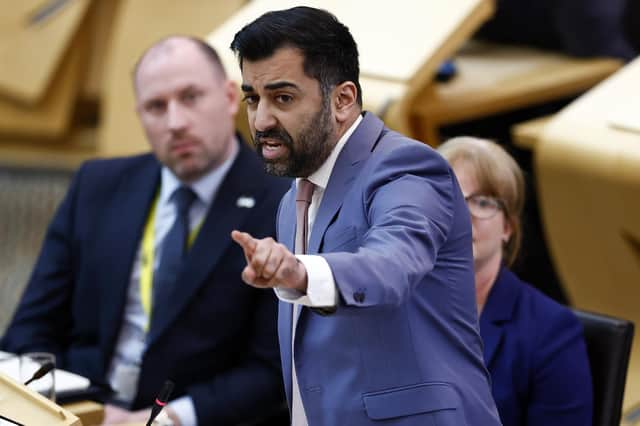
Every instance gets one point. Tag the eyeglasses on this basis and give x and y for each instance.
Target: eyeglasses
(483, 206)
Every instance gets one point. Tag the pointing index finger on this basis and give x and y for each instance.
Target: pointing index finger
(245, 240)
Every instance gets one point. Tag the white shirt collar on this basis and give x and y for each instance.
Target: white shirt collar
(320, 177)
(205, 188)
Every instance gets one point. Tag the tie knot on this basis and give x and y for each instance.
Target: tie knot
(305, 190)
(184, 197)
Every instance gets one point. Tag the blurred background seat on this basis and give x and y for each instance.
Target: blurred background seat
(28, 199)
(608, 342)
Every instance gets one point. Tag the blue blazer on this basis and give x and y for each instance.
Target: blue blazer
(217, 341)
(535, 351)
(403, 347)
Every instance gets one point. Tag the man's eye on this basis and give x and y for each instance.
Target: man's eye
(250, 99)
(284, 99)
(189, 96)
(155, 107)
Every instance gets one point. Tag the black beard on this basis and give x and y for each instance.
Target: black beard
(313, 147)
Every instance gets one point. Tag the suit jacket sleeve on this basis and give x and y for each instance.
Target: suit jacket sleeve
(48, 293)
(407, 202)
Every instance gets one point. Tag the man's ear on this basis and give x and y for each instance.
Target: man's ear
(344, 100)
(233, 96)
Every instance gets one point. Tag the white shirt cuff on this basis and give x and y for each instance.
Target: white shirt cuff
(321, 288)
(185, 410)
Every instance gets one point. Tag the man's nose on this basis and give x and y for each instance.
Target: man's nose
(178, 120)
(263, 118)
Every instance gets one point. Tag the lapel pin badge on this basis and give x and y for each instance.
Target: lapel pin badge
(246, 202)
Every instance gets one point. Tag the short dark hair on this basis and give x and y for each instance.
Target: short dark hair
(330, 52)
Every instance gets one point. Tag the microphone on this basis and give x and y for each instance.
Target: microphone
(161, 401)
(44, 369)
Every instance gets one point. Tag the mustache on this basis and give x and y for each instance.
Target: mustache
(182, 138)
(275, 134)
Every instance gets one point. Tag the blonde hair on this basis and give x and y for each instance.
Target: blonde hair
(498, 175)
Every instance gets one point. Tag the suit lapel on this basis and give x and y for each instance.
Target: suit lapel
(121, 234)
(214, 237)
(286, 236)
(497, 312)
(285, 311)
(287, 219)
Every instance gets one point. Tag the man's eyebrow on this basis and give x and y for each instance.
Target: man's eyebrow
(280, 84)
(271, 86)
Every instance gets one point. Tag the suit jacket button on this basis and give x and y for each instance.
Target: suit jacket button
(358, 296)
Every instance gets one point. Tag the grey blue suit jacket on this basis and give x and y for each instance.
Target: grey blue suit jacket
(403, 346)
(217, 341)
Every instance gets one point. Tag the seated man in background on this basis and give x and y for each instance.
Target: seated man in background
(576, 27)
(138, 280)
(534, 348)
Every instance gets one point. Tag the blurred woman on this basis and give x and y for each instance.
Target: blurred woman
(533, 347)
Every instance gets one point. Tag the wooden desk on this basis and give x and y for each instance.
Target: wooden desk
(44, 134)
(90, 413)
(30, 52)
(28, 407)
(42, 69)
(527, 134)
(50, 117)
(495, 78)
(588, 178)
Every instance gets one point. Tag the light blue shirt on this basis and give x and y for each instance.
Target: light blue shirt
(125, 365)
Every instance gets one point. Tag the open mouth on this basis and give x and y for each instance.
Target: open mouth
(272, 149)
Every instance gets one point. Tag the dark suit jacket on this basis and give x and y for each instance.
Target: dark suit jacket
(217, 340)
(535, 351)
(403, 346)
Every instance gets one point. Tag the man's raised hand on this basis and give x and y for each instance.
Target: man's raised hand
(270, 264)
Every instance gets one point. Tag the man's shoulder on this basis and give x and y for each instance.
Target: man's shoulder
(98, 177)
(391, 140)
(396, 152)
(117, 164)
